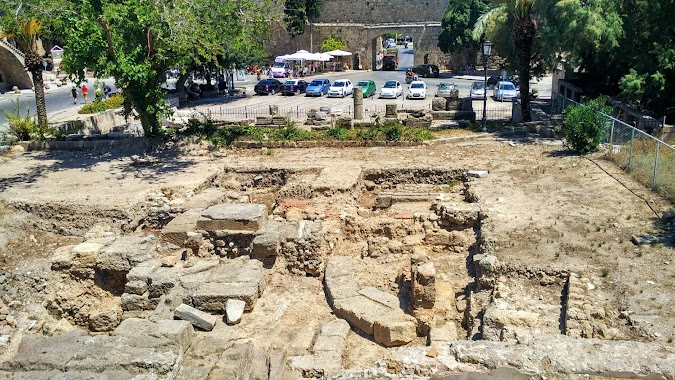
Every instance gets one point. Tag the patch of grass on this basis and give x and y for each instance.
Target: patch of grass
(338, 133)
(604, 272)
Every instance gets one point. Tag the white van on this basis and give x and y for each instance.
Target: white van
(280, 69)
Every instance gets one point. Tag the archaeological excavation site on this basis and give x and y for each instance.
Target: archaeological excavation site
(484, 259)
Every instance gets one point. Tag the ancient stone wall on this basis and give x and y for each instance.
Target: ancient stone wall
(360, 23)
(381, 11)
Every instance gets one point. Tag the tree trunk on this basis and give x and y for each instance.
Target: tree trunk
(524, 31)
(33, 63)
(38, 82)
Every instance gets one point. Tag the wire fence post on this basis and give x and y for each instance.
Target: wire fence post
(656, 163)
(611, 138)
(630, 154)
(246, 111)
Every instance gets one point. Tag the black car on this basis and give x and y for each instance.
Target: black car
(293, 86)
(267, 86)
(426, 71)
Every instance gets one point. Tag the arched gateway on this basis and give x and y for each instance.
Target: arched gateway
(360, 23)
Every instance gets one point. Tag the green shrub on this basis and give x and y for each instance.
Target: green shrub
(203, 126)
(368, 134)
(584, 126)
(338, 133)
(392, 131)
(25, 127)
(292, 133)
(100, 105)
(115, 101)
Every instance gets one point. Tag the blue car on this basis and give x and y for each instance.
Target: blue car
(318, 87)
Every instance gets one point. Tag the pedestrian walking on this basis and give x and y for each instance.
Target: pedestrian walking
(85, 93)
(73, 94)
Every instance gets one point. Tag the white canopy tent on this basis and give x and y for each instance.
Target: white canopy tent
(338, 53)
(323, 57)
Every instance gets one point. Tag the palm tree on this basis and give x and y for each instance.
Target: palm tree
(25, 34)
(521, 14)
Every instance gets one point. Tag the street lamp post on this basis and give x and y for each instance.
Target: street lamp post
(487, 51)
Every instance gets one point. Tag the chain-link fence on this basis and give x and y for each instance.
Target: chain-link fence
(648, 159)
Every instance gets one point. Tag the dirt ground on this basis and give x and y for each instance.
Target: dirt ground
(548, 210)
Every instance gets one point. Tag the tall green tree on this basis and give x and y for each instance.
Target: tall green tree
(136, 41)
(536, 35)
(458, 22)
(25, 30)
(299, 12)
(645, 56)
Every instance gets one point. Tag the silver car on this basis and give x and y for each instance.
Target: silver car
(446, 89)
(477, 90)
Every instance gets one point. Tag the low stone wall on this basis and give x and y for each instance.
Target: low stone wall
(136, 143)
(95, 124)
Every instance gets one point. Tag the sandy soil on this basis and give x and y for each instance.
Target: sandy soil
(550, 209)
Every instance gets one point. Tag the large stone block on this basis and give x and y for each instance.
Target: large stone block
(213, 296)
(395, 329)
(233, 216)
(266, 243)
(176, 231)
(198, 318)
(177, 331)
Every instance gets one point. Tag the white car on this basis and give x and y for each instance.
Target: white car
(391, 89)
(341, 88)
(505, 90)
(417, 90)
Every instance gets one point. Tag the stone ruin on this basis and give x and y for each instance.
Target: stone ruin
(401, 258)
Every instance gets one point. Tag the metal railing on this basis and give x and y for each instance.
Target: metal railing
(12, 48)
(296, 113)
(648, 159)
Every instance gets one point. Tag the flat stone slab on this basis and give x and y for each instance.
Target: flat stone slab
(233, 217)
(198, 318)
(176, 231)
(369, 309)
(133, 351)
(327, 351)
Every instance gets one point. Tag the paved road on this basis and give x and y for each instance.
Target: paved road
(57, 99)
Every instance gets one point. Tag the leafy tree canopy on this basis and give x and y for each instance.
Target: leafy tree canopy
(458, 22)
(298, 12)
(136, 41)
(332, 43)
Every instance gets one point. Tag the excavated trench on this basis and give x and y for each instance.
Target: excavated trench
(416, 234)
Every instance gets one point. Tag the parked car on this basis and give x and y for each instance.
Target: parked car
(267, 86)
(426, 71)
(293, 86)
(493, 80)
(505, 90)
(446, 89)
(391, 89)
(477, 90)
(417, 90)
(367, 87)
(318, 87)
(341, 88)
